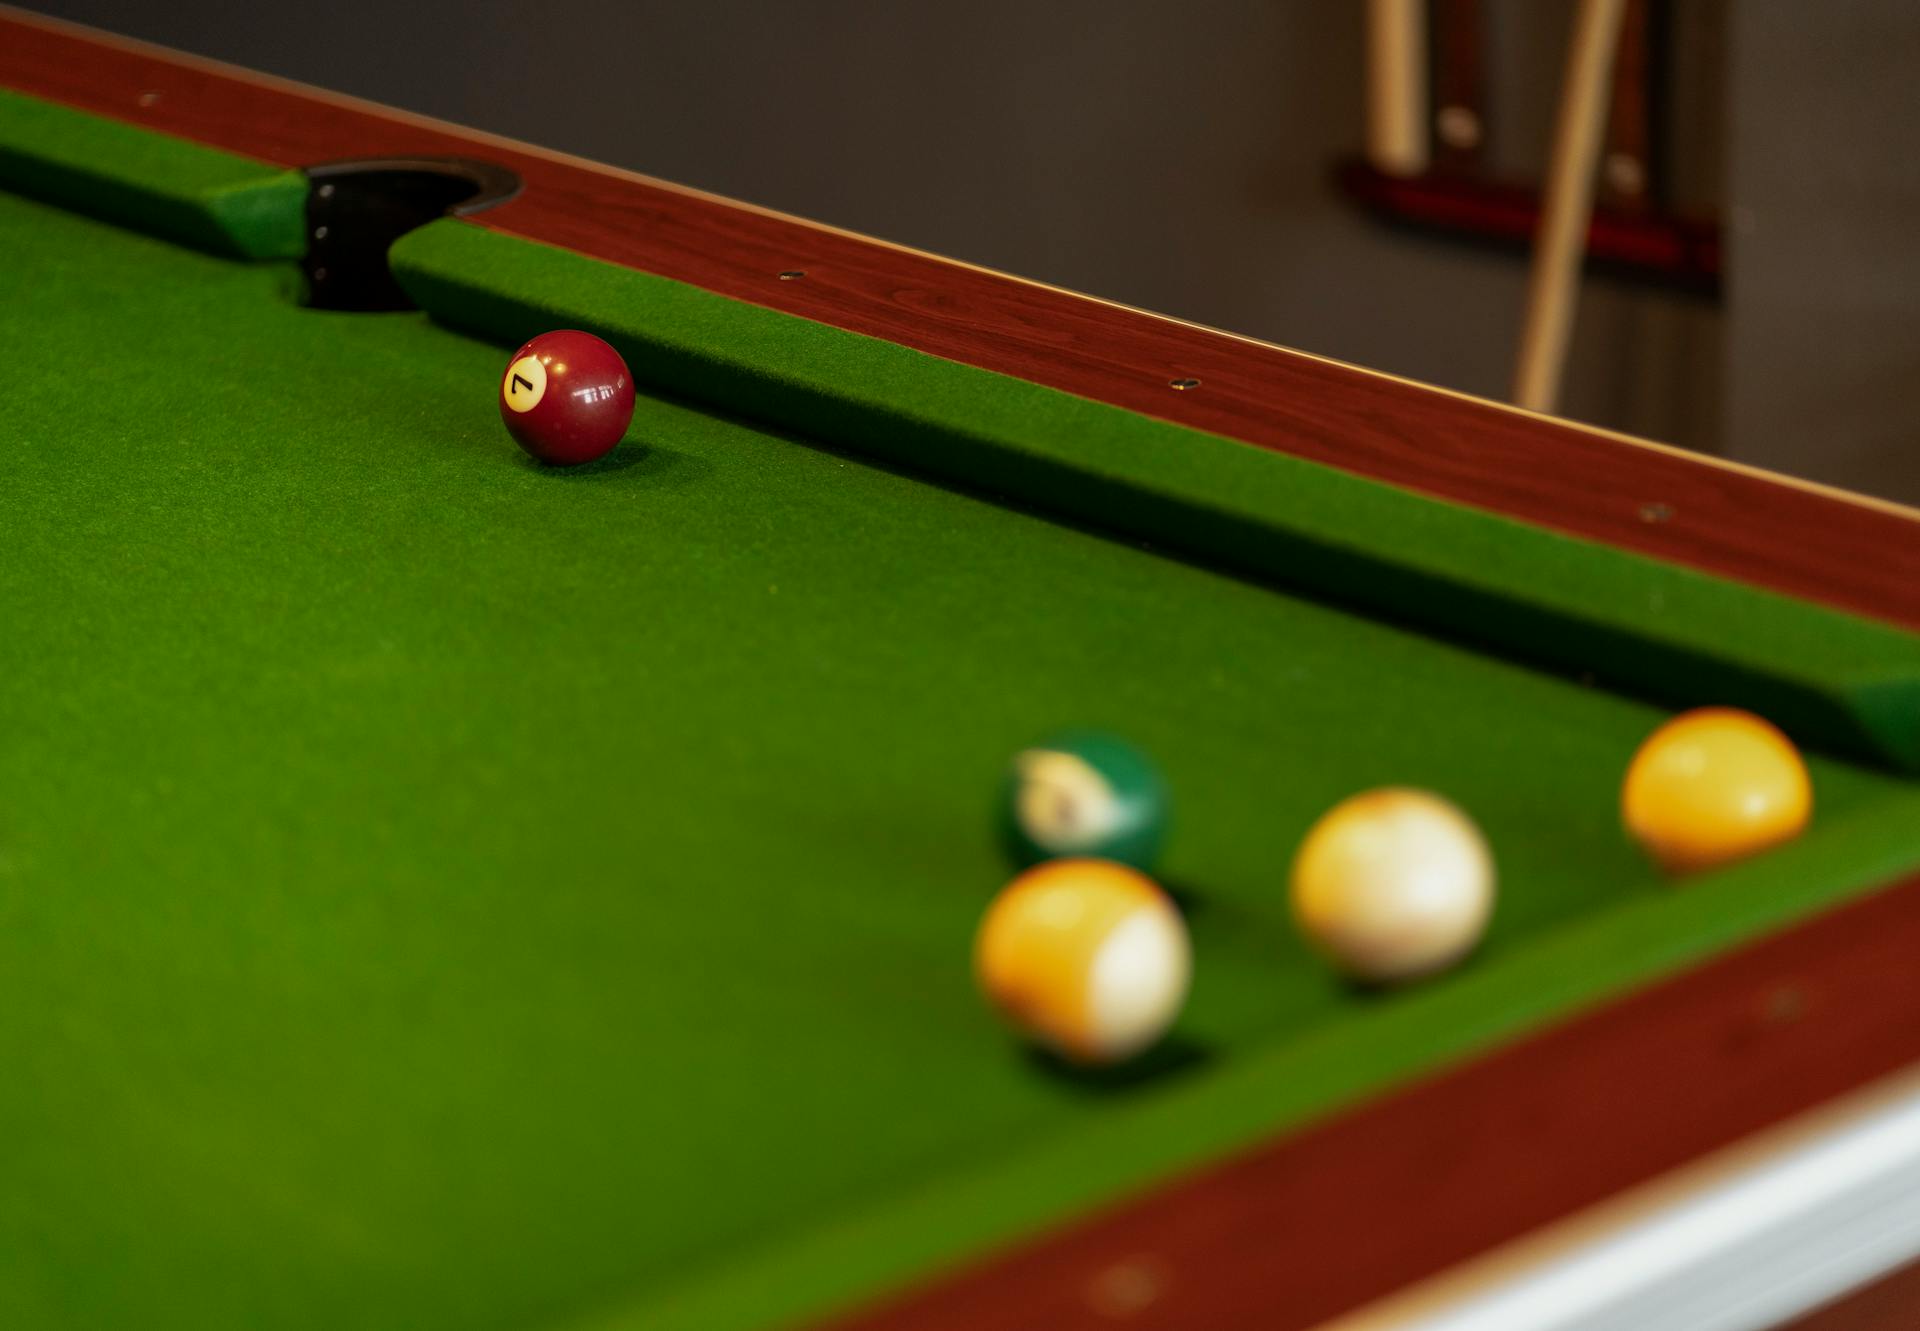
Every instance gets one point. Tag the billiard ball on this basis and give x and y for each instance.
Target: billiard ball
(1393, 884)
(1083, 793)
(566, 397)
(1712, 786)
(1086, 957)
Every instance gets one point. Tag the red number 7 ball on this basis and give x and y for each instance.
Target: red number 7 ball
(566, 397)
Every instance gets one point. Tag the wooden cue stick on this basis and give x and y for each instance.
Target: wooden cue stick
(1560, 245)
(1627, 158)
(1460, 110)
(1397, 86)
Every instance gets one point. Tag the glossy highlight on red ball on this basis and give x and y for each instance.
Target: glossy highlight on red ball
(566, 397)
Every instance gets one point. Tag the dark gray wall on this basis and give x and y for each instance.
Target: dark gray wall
(1823, 349)
(1170, 157)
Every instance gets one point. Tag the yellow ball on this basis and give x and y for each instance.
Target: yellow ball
(1087, 957)
(1713, 786)
(1393, 884)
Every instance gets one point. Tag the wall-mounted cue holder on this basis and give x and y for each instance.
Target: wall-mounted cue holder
(1426, 163)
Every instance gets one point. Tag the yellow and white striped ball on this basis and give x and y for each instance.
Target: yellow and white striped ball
(1393, 884)
(1087, 957)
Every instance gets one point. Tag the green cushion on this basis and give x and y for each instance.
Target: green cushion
(166, 186)
(1660, 630)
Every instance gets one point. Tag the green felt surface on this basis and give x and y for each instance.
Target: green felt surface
(155, 183)
(438, 892)
(1665, 631)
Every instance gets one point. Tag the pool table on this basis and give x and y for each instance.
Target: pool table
(443, 891)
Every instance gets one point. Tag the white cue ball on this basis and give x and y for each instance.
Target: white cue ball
(1393, 884)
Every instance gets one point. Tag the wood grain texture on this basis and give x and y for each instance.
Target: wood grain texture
(1739, 524)
(1308, 1226)
(1315, 1223)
